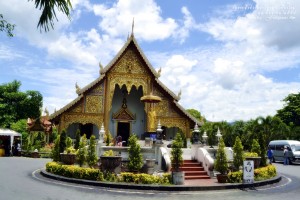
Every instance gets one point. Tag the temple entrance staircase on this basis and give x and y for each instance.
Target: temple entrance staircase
(193, 170)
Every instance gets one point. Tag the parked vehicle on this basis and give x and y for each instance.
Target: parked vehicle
(293, 147)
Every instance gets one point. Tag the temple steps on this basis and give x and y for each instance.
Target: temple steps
(193, 170)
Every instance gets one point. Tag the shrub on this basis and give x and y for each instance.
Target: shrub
(238, 153)
(69, 142)
(235, 177)
(72, 171)
(221, 159)
(77, 140)
(128, 177)
(91, 153)
(255, 147)
(250, 154)
(82, 152)
(62, 141)
(260, 174)
(108, 138)
(265, 173)
(109, 153)
(55, 150)
(134, 154)
(176, 152)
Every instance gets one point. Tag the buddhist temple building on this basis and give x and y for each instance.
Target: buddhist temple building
(127, 98)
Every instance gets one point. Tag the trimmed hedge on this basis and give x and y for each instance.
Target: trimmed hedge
(72, 171)
(127, 177)
(260, 174)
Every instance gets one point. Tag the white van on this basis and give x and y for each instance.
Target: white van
(292, 145)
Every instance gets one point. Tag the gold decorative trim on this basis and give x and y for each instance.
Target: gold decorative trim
(94, 104)
(69, 119)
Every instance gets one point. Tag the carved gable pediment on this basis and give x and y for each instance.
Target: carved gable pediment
(124, 114)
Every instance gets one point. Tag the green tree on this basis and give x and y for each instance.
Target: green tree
(135, 157)
(82, 151)
(69, 142)
(220, 164)
(91, 155)
(47, 17)
(6, 27)
(77, 139)
(255, 147)
(62, 142)
(196, 114)
(176, 152)
(55, 150)
(290, 113)
(238, 153)
(16, 105)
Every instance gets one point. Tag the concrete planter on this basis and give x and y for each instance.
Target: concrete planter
(110, 163)
(222, 178)
(256, 161)
(178, 178)
(68, 158)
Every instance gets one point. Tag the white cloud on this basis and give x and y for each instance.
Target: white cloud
(225, 81)
(149, 25)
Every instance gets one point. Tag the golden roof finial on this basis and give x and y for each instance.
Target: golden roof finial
(101, 68)
(46, 112)
(77, 88)
(159, 72)
(132, 27)
(179, 94)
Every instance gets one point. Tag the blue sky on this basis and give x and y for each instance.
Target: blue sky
(232, 60)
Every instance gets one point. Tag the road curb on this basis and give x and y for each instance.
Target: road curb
(224, 186)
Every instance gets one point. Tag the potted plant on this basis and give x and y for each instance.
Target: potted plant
(253, 156)
(135, 157)
(177, 160)
(254, 153)
(68, 157)
(110, 161)
(237, 154)
(221, 164)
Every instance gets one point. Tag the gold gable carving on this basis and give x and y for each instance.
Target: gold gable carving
(181, 123)
(98, 89)
(157, 92)
(124, 114)
(94, 104)
(77, 108)
(129, 80)
(129, 63)
(162, 108)
(69, 119)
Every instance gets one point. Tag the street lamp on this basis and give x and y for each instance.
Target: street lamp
(204, 137)
(159, 131)
(101, 134)
(219, 134)
(196, 134)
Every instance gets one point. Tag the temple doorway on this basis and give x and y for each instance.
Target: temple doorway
(124, 131)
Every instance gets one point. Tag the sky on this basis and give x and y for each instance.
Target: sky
(231, 60)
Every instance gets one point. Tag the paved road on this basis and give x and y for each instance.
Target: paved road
(18, 182)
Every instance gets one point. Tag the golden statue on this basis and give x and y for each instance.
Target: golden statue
(151, 120)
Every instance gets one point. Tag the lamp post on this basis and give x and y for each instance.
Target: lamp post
(219, 134)
(196, 134)
(101, 134)
(204, 136)
(159, 134)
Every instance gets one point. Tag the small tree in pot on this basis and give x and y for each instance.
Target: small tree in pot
(237, 154)
(221, 162)
(177, 160)
(134, 154)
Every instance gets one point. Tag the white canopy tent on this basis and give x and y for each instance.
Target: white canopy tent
(12, 134)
